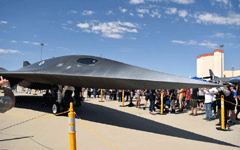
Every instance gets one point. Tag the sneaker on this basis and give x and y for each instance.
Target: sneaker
(191, 114)
(218, 124)
(144, 108)
(205, 118)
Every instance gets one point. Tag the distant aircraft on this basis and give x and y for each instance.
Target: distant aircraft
(60, 73)
(215, 79)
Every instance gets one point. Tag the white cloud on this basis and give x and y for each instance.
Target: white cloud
(131, 14)
(185, 20)
(193, 42)
(13, 27)
(83, 25)
(69, 22)
(64, 24)
(123, 10)
(222, 35)
(73, 11)
(109, 29)
(183, 1)
(140, 15)
(180, 42)
(208, 44)
(222, 3)
(5, 22)
(87, 12)
(208, 18)
(35, 43)
(171, 10)
(35, 36)
(142, 10)
(26, 42)
(9, 51)
(136, 1)
(155, 13)
(65, 28)
(182, 13)
(133, 38)
(239, 5)
(109, 12)
(13, 41)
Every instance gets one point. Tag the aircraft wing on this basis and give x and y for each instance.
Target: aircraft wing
(96, 72)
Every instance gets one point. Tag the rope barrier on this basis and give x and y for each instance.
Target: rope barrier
(96, 133)
(37, 117)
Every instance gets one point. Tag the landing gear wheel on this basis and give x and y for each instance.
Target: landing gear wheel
(55, 108)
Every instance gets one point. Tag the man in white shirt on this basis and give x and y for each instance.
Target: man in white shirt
(208, 103)
(214, 102)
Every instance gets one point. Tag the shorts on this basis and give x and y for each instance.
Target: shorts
(146, 97)
(172, 103)
(180, 100)
(193, 103)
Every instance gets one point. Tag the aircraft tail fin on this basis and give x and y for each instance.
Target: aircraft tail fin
(26, 63)
(212, 75)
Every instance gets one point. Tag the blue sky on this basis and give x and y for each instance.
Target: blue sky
(162, 35)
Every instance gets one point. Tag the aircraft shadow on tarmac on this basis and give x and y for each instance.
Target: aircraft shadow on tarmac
(114, 117)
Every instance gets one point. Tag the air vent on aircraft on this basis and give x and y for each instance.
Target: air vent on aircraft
(87, 61)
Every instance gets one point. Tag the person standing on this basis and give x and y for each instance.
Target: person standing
(194, 100)
(137, 95)
(152, 98)
(172, 99)
(208, 103)
(146, 93)
(187, 99)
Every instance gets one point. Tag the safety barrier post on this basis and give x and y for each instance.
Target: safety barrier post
(35, 92)
(162, 102)
(71, 124)
(101, 96)
(222, 113)
(123, 98)
(82, 93)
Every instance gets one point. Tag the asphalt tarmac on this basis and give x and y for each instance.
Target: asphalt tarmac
(127, 128)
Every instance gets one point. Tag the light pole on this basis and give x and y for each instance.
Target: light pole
(221, 60)
(232, 70)
(41, 49)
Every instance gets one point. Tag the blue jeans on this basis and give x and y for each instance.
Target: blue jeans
(152, 103)
(208, 108)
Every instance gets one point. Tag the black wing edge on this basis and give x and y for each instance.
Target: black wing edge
(3, 70)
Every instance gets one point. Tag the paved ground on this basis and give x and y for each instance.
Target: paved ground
(127, 128)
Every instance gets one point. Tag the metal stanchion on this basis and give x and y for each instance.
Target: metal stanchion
(122, 99)
(71, 124)
(101, 96)
(35, 92)
(222, 113)
(223, 125)
(161, 102)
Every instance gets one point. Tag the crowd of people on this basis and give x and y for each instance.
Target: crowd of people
(184, 100)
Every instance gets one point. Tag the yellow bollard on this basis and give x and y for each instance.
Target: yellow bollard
(82, 93)
(123, 98)
(71, 124)
(162, 102)
(35, 92)
(2, 91)
(101, 95)
(222, 113)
